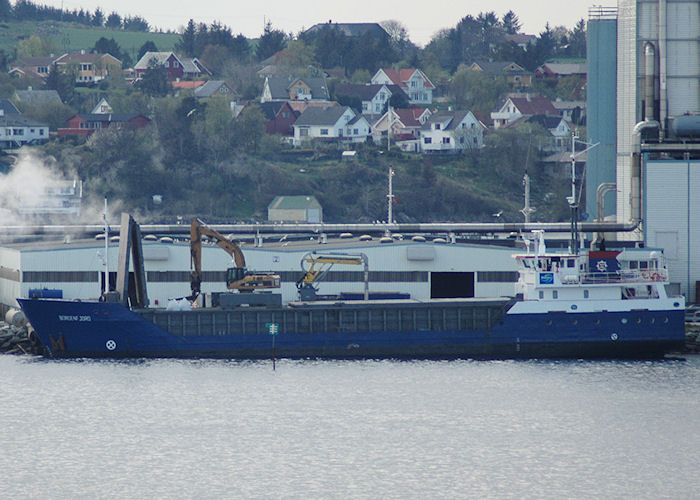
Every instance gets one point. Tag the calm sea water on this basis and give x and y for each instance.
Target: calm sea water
(371, 429)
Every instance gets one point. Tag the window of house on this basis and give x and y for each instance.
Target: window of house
(285, 114)
(41, 131)
(365, 106)
(304, 132)
(461, 140)
(355, 131)
(414, 83)
(476, 141)
(445, 140)
(324, 131)
(427, 140)
(377, 107)
(437, 126)
(17, 131)
(31, 130)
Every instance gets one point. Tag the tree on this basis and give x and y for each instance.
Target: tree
(250, 128)
(114, 21)
(5, 10)
(148, 46)
(271, 42)
(63, 83)
(107, 46)
(154, 82)
(35, 46)
(511, 23)
(215, 58)
(188, 39)
(475, 90)
(135, 23)
(98, 18)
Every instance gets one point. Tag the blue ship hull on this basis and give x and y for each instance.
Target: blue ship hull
(110, 330)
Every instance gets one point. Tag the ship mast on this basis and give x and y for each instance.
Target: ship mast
(390, 199)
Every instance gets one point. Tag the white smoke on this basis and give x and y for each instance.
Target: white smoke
(30, 194)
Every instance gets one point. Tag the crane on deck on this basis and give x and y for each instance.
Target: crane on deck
(237, 276)
(318, 267)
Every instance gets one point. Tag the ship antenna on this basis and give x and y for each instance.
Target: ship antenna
(105, 285)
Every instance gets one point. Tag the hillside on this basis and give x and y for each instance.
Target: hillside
(68, 37)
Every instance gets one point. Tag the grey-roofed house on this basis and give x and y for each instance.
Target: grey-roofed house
(372, 97)
(39, 67)
(8, 108)
(452, 131)
(338, 123)
(304, 208)
(290, 88)
(17, 130)
(213, 88)
(515, 74)
(32, 97)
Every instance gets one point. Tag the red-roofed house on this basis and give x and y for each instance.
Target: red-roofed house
(527, 105)
(417, 86)
(405, 127)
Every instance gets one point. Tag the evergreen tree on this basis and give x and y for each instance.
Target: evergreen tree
(271, 42)
(98, 18)
(114, 21)
(188, 39)
(511, 23)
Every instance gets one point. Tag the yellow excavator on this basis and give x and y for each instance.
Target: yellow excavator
(237, 276)
(318, 267)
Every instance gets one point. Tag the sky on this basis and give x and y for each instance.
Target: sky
(421, 19)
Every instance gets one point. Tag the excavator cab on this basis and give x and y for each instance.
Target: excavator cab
(234, 274)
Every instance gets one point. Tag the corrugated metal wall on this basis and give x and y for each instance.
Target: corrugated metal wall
(672, 218)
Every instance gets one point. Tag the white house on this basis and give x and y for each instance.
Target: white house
(17, 130)
(405, 127)
(338, 123)
(414, 82)
(518, 106)
(451, 132)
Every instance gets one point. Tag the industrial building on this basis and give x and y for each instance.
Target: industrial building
(653, 79)
(421, 269)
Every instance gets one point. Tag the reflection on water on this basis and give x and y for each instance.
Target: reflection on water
(329, 429)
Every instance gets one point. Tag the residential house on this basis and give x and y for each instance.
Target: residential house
(303, 208)
(180, 85)
(102, 108)
(338, 123)
(561, 70)
(86, 124)
(405, 126)
(521, 40)
(89, 68)
(17, 130)
(573, 111)
(558, 127)
(280, 117)
(175, 67)
(371, 98)
(414, 82)
(452, 131)
(515, 74)
(7, 107)
(517, 106)
(31, 97)
(38, 67)
(213, 88)
(290, 88)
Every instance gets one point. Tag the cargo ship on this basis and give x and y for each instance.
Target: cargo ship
(592, 304)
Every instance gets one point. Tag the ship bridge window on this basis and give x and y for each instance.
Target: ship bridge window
(555, 294)
(570, 263)
(643, 264)
(634, 264)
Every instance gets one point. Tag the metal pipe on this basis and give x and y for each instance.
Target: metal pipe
(662, 67)
(649, 63)
(319, 228)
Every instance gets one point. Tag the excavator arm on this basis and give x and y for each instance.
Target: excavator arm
(237, 277)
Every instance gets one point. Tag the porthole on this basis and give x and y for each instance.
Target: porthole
(666, 319)
(548, 322)
(652, 320)
(639, 321)
(596, 321)
(574, 322)
(623, 321)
